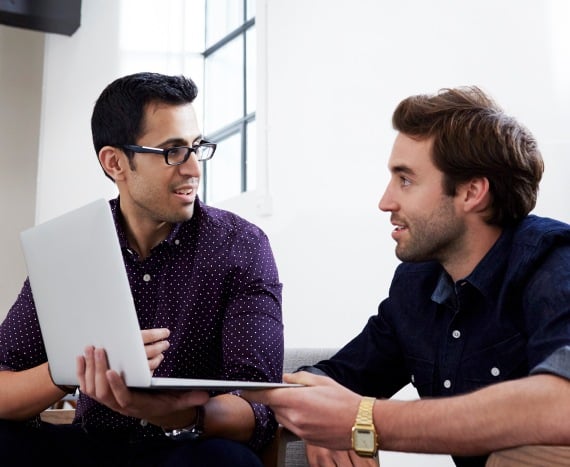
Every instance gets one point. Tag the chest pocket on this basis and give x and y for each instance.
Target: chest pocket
(421, 375)
(503, 361)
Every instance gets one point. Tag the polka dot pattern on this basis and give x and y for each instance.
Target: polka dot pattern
(214, 283)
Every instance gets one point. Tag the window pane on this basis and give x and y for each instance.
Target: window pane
(251, 76)
(224, 86)
(222, 17)
(251, 165)
(224, 170)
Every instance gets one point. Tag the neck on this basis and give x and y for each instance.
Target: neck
(476, 245)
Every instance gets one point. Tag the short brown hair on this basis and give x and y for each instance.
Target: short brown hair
(473, 137)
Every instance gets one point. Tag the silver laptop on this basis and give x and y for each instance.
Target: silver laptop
(82, 295)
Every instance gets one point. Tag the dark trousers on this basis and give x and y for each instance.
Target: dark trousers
(69, 445)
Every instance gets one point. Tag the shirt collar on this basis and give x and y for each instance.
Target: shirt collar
(122, 234)
(486, 277)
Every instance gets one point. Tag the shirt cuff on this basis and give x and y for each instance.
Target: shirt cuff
(557, 363)
(311, 369)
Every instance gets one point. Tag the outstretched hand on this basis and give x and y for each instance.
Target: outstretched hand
(322, 412)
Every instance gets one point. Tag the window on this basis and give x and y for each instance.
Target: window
(213, 42)
(229, 97)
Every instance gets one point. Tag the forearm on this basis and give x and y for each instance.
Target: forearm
(229, 416)
(532, 410)
(26, 393)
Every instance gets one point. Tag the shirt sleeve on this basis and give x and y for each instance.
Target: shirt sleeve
(253, 328)
(558, 363)
(546, 304)
(21, 343)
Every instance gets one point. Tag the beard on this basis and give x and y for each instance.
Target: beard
(433, 237)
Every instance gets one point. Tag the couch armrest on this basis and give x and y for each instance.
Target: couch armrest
(537, 456)
(58, 416)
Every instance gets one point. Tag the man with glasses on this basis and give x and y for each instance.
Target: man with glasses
(208, 299)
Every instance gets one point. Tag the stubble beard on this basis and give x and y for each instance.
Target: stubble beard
(433, 237)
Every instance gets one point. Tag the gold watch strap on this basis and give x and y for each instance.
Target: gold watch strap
(365, 414)
(363, 424)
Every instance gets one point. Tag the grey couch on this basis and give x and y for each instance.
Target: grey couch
(290, 449)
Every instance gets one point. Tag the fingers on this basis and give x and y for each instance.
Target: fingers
(261, 396)
(323, 457)
(155, 349)
(356, 460)
(91, 369)
(121, 393)
(277, 395)
(153, 335)
(154, 362)
(155, 345)
(86, 371)
(306, 378)
(80, 371)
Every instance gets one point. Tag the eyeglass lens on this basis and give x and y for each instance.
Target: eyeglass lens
(181, 154)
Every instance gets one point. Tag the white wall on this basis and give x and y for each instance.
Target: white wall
(334, 71)
(21, 63)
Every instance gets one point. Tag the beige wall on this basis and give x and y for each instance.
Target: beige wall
(21, 70)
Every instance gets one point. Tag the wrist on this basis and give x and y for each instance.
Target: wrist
(364, 436)
(194, 430)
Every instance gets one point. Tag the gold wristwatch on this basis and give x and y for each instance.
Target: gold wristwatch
(364, 441)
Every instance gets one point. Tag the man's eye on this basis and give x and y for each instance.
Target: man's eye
(404, 181)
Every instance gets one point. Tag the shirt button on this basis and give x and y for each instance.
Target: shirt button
(177, 242)
(447, 384)
(413, 379)
(146, 277)
(456, 334)
(495, 371)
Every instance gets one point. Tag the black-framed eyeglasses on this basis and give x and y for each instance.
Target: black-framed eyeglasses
(179, 154)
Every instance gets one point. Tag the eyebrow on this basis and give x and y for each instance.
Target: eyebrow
(180, 141)
(402, 169)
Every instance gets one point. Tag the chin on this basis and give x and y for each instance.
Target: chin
(189, 211)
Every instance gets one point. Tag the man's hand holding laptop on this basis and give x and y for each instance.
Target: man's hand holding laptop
(106, 386)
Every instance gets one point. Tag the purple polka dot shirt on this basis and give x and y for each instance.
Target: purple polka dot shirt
(214, 283)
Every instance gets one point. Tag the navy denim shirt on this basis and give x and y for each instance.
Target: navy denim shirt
(510, 317)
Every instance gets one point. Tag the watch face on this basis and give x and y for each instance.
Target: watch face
(364, 441)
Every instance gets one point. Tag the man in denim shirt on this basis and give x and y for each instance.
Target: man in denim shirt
(478, 313)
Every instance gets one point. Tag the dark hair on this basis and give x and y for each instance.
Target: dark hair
(119, 111)
(473, 137)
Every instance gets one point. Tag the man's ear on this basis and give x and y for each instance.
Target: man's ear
(113, 162)
(476, 195)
